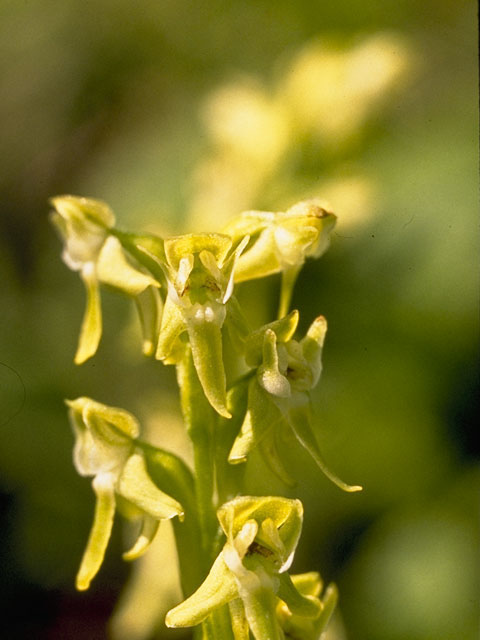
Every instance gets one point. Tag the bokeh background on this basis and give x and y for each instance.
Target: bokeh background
(181, 115)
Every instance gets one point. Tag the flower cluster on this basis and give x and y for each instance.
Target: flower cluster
(184, 291)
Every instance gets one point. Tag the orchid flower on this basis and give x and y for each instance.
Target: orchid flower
(90, 248)
(200, 273)
(250, 573)
(281, 242)
(278, 394)
(106, 449)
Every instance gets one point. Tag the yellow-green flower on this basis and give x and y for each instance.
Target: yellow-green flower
(278, 394)
(303, 627)
(281, 242)
(105, 449)
(250, 573)
(91, 249)
(200, 271)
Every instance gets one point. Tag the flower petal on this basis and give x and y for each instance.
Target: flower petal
(135, 484)
(269, 376)
(114, 269)
(308, 606)
(300, 421)
(179, 246)
(149, 306)
(284, 328)
(100, 531)
(91, 329)
(204, 324)
(171, 327)
(239, 620)
(147, 533)
(218, 588)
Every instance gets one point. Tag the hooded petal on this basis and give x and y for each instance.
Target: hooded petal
(312, 346)
(268, 375)
(83, 224)
(177, 247)
(285, 514)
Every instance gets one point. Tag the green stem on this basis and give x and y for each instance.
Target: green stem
(218, 625)
(289, 277)
(200, 421)
(230, 477)
(174, 477)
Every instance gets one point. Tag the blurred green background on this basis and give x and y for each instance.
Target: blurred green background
(180, 115)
